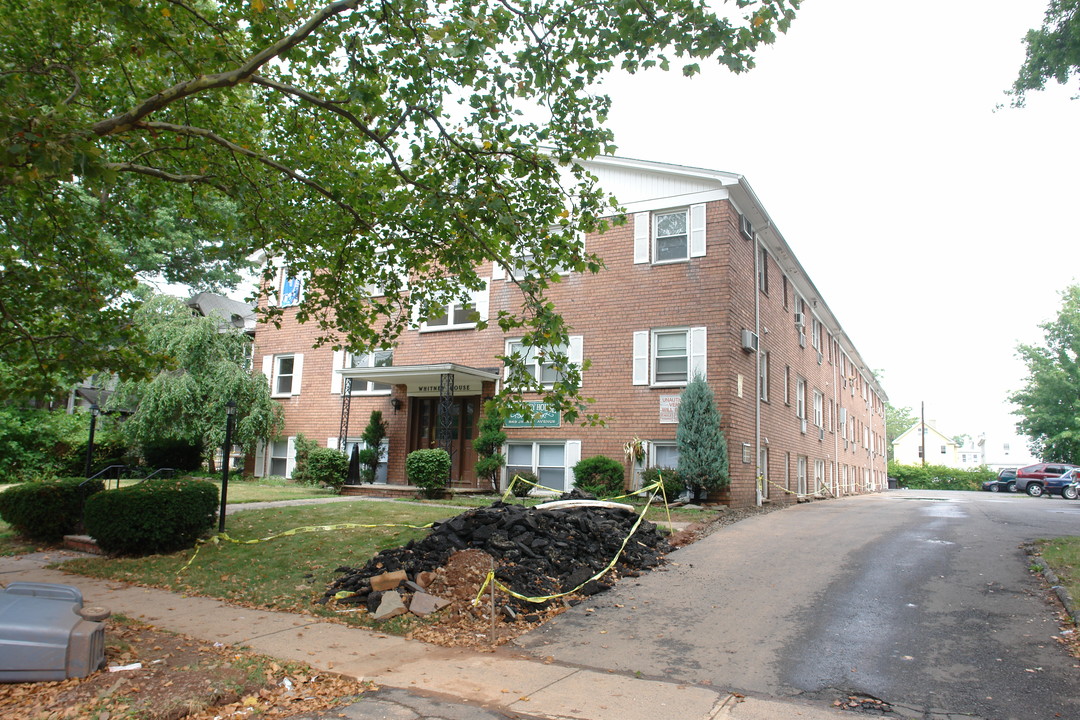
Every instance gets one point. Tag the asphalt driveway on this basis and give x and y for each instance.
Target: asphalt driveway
(921, 599)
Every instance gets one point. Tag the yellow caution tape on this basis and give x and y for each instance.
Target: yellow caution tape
(224, 537)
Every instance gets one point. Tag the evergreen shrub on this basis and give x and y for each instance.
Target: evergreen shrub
(673, 484)
(521, 488)
(428, 470)
(155, 516)
(600, 475)
(47, 510)
(183, 455)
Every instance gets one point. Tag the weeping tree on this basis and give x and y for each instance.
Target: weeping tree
(703, 456)
(204, 367)
(355, 143)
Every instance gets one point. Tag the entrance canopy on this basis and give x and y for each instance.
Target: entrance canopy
(423, 380)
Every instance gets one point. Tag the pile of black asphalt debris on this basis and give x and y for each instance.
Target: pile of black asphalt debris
(537, 552)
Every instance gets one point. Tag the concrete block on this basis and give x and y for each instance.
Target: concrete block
(424, 604)
(390, 606)
(388, 580)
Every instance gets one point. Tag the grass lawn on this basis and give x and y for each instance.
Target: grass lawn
(286, 573)
(1063, 557)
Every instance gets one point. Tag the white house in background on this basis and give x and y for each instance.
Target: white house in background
(940, 449)
(999, 451)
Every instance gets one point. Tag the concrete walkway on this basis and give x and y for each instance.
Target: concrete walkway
(478, 684)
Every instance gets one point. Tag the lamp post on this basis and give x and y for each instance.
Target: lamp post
(94, 412)
(230, 417)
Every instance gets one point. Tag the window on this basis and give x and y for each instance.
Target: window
(665, 454)
(281, 456)
(763, 270)
(292, 291)
(815, 330)
(458, 315)
(523, 257)
(787, 385)
(763, 377)
(819, 409)
(785, 292)
(378, 358)
(800, 398)
(670, 236)
(801, 473)
(543, 368)
(384, 454)
(284, 373)
(943, 449)
(669, 357)
(819, 475)
(763, 471)
(549, 461)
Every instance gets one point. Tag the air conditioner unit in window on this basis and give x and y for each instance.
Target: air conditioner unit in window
(821, 433)
(746, 227)
(820, 357)
(802, 425)
(800, 319)
(749, 340)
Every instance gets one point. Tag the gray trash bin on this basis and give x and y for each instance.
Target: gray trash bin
(43, 636)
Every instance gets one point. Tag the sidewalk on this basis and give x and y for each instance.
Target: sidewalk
(501, 683)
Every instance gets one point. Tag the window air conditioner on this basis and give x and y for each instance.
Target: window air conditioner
(746, 227)
(821, 433)
(800, 319)
(820, 357)
(802, 425)
(749, 341)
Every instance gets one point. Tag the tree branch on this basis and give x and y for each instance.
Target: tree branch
(130, 119)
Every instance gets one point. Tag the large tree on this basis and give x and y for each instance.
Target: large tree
(207, 367)
(897, 420)
(356, 143)
(1049, 403)
(1053, 51)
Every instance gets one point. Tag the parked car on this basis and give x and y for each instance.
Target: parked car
(1004, 482)
(1067, 486)
(1033, 479)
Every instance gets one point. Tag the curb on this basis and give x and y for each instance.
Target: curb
(1055, 584)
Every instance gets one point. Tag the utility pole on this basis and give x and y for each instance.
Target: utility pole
(922, 430)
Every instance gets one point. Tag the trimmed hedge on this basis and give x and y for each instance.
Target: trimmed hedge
(155, 516)
(673, 484)
(600, 475)
(48, 509)
(938, 477)
(429, 470)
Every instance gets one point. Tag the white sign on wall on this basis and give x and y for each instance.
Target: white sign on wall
(669, 408)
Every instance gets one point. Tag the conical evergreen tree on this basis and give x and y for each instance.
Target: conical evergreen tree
(703, 456)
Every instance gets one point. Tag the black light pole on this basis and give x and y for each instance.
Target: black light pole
(230, 416)
(94, 412)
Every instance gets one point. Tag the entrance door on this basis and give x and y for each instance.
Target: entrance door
(424, 433)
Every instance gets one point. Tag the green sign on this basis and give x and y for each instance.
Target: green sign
(542, 416)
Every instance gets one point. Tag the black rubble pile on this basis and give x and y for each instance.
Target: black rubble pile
(537, 552)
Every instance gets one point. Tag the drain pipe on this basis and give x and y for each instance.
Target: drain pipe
(760, 474)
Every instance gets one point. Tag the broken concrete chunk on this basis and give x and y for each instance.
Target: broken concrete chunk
(424, 604)
(388, 580)
(390, 606)
(424, 579)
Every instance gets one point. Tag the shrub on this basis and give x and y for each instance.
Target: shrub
(428, 470)
(184, 455)
(154, 516)
(37, 443)
(106, 452)
(489, 439)
(522, 489)
(673, 484)
(47, 510)
(373, 436)
(938, 477)
(600, 475)
(323, 466)
(303, 448)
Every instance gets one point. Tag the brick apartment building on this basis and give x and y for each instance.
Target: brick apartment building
(698, 279)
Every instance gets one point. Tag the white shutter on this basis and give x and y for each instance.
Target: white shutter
(298, 371)
(698, 352)
(571, 456)
(335, 377)
(268, 370)
(480, 301)
(697, 230)
(290, 457)
(641, 357)
(641, 237)
(497, 272)
(576, 351)
(332, 443)
(260, 459)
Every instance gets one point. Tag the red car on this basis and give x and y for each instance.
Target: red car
(1033, 478)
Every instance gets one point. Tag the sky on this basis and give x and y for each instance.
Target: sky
(940, 232)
